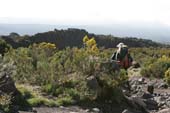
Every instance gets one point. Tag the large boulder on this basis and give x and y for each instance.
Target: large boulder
(136, 103)
(7, 84)
(92, 83)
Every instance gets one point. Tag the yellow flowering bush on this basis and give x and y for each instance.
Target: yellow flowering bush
(164, 58)
(90, 45)
(91, 42)
(85, 39)
(46, 45)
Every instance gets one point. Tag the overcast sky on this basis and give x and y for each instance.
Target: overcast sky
(85, 12)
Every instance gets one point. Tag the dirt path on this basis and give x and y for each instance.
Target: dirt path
(73, 109)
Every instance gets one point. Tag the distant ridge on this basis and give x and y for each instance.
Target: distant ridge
(72, 37)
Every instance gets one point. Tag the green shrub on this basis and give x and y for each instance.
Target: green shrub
(72, 92)
(25, 92)
(32, 98)
(35, 101)
(66, 100)
(156, 69)
(167, 76)
(38, 101)
(58, 91)
(4, 47)
(47, 88)
(63, 73)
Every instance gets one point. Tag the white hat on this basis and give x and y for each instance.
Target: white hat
(121, 45)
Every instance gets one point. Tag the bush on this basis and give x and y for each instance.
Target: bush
(157, 69)
(38, 101)
(63, 73)
(167, 76)
(4, 47)
(67, 100)
(33, 98)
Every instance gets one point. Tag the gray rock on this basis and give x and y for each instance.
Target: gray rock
(163, 107)
(168, 99)
(7, 85)
(141, 80)
(87, 110)
(164, 111)
(126, 92)
(127, 111)
(168, 104)
(133, 87)
(138, 103)
(61, 107)
(96, 110)
(1, 111)
(25, 112)
(150, 89)
(154, 94)
(163, 85)
(159, 99)
(92, 83)
(161, 104)
(135, 64)
(151, 104)
(146, 96)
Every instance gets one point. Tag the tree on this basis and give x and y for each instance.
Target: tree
(14, 35)
(4, 47)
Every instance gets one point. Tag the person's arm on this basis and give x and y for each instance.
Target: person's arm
(113, 56)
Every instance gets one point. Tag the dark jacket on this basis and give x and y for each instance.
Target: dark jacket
(119, 56)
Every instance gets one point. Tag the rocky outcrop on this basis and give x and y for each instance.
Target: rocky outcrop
(153, 96)
(164, 111)
(7, 87)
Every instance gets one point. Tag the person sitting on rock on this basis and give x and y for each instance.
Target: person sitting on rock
(122, 56)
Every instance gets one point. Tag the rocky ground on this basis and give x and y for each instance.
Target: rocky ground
(61, 109)
(144, 95)
(152, 94)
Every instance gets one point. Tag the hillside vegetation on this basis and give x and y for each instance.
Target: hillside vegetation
(73, 38)
(47, 75)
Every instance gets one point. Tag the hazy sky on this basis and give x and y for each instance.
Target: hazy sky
(85, 12)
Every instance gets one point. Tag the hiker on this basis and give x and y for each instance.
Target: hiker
(122, 56)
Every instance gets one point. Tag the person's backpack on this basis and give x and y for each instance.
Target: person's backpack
(122, 54)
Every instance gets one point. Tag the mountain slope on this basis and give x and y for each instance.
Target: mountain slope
(73, 37)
